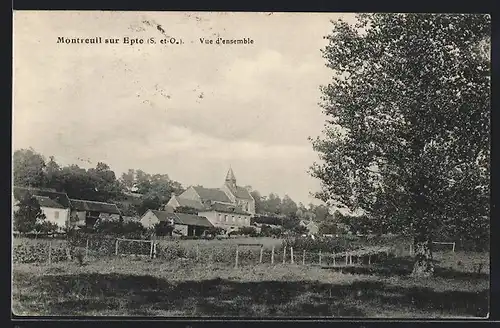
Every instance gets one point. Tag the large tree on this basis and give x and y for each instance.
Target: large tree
(288, 207)
(407, 134)
(28, 168)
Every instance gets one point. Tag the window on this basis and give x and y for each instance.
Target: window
(234, 220)
(225, 218)
(56, 214)
(219, 217)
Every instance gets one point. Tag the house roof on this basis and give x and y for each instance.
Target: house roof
(213, 194)
(218, 207)
(182, 218)
(59, 197)
(190, 219)
(161, 215)
(45, 201)
(93, 206)
(189, 203)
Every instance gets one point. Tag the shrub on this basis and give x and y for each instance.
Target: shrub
(249, 231)
(163, 228)
(171, 251)
(327, 245)
(120, 228)
(327, 228)
(38, 252)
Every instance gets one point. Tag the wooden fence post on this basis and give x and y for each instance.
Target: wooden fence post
(261, 251)
(304, 257)
(369, 259)
(87, 249)
(236, 260)
(116, 247)
(151, 249)
(291, 254)
(334, 264)
(453, 250)
(284, 255)
(50, 252)
(272, 255)
(346, 258)
(319, 257)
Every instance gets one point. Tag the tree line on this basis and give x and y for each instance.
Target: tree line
(100, 183)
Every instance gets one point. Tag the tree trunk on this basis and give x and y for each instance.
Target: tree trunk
(424, 265)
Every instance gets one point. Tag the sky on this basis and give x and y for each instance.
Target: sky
(188, 110)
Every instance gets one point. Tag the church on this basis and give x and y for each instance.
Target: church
(230, 195)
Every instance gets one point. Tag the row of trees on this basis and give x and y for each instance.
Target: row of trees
(101, 184)
(274, 205)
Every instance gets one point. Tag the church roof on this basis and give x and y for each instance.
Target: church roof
(212, 194)
(189, 203)
(241, 192)
(230, 175)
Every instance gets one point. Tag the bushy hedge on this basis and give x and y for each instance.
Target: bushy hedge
(134, 247)
(324, 244)
(212, 254)
(99, 244)
(28, 252)
(344, 243)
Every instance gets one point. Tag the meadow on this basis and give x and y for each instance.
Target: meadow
(203, 287)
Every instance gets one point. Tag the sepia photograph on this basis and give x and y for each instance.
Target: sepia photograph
(263, 165)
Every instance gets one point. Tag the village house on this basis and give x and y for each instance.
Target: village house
(55, 205)
(230, 194)
(85, 213)
(227, 217)
(312, 227)
(184, 224)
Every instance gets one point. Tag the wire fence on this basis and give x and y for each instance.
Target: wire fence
(89, 247)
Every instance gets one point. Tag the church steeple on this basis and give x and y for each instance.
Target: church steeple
(230, 178)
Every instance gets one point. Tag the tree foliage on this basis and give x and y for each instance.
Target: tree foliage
(163, 228)
(29, 215)
(28, 168)
(98, 183)
(407, 135)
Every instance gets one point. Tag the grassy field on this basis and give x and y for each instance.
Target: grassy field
(122, 286)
